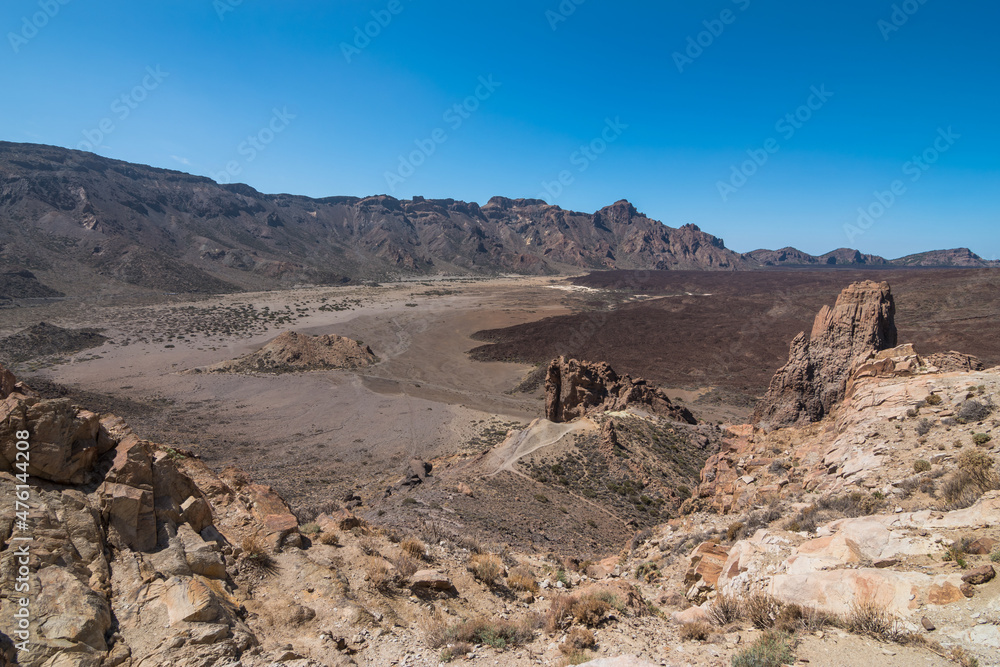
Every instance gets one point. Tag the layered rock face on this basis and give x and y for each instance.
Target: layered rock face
(292, 351)
(131, 544)
(815, 377)
(576, 388)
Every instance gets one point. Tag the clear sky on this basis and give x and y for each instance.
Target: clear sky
(680, 107)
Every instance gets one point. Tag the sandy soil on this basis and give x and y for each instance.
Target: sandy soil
(313, 434)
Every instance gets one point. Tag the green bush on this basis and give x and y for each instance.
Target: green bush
(772, 649)
(980, 439)
(921, 465)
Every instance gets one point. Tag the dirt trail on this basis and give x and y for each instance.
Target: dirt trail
(540, 433)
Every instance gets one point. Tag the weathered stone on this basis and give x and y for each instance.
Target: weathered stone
(576, 388)
(63, 440)
(68, 610)
(980, 575)
(815, 377)
(706, 564)
(981, 547)
(129, 515)
(690, 615)
(430, 580)
(189, 600)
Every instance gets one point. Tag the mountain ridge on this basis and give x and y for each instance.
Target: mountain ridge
(80, 223)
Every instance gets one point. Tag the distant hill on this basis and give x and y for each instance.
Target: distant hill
(958, 257)
(76, 223)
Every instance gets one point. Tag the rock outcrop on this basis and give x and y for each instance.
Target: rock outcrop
(294, 352)
(815, 377)
(131, 543)
(880, 559)
(577, 388)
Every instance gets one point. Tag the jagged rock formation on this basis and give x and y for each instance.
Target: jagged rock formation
(294, 352)
(576, 388)
(132, 543)
(815, 377)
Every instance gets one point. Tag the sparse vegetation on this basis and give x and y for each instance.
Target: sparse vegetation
(980, 439)
(697, 631)
(487, 568)
(725, 609)
(521, 579)
(873, 620)
(933, 399)
(762, 610)
(413, 547)
(772, 649)
(256, 555)
(330, 538)
(921, 465)
(923, 427)
(974, 477)
(972, 411)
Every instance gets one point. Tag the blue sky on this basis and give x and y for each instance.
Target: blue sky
(681, 108)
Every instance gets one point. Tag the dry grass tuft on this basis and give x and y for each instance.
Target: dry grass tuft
(256, 556)
(413, 547)
(330, 538)
(873, 620)
(697, 631)
(379, 574)
(725, 609)
(521, 579)
(487, 568)
(762, 610)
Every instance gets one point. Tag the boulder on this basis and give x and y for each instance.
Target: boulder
(430, 580)
(981, 547)
(576, 388)
(706, 564)
(63, 439)
(980, 575)
(691, 615)
(815, 378)
(189, 600)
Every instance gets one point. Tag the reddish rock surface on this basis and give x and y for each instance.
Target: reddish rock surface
(815, 377)
(576, 388)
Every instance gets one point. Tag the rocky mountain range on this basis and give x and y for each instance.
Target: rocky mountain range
(73, 222)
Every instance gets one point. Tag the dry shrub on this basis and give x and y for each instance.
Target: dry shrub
(521, 579)
(725, 609)
(379, 574)
(496, 633)
(974, 477)
(697, 631)
(762, 610)
(256, 555)
(578, 639)
(813, 619)
(590, 609)
(487, 568)
(560, 611)
(873, 620)
(405, 565)
(369, 547)
(413, 547)
(789, 619)
(329, 538)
